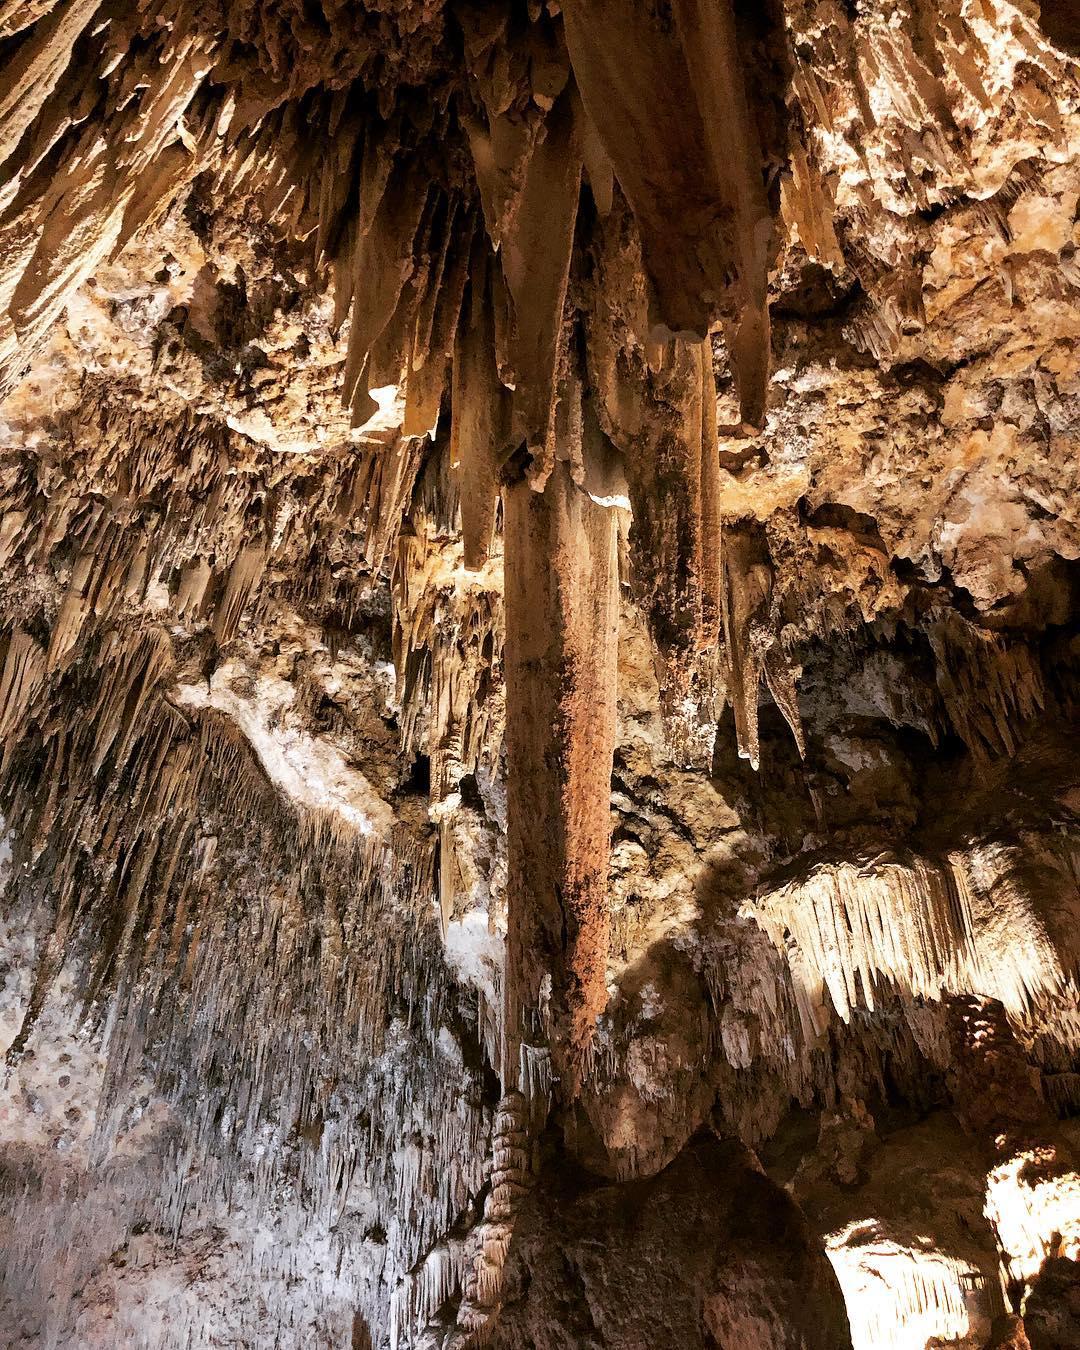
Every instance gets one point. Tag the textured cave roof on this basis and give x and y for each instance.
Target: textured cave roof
(538, 664)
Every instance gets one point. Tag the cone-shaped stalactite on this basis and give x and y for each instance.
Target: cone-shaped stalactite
(697, 146)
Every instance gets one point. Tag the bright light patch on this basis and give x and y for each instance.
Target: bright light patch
(899, 1297)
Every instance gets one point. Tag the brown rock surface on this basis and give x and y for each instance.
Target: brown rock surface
(707, 1253)
(538, 616)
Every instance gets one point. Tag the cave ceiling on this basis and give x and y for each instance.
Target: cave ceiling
(539, 666)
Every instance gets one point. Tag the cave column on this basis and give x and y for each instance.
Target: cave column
(562, 605)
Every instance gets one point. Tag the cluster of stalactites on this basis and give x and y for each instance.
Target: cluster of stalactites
(517, 232)
(175, 533)
(546, 313)
(996, 918)
(450, 241)
(567, 316)
(570, 324)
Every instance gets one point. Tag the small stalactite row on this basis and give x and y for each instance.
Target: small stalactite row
(998, 918)
(236, 1008)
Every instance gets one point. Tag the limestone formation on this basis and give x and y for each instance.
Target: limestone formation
(538, 674)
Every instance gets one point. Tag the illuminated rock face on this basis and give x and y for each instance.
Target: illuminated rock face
(538, 674)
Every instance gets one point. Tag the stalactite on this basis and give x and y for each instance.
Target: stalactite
(446, 647)
(381, 266)
(897, 1297)
(284, 700)
(536, 264)
(481, 432)
(155, 910)
(697, 147)
(561, 644)
(928, 927)
(660, 414)
(990, 687)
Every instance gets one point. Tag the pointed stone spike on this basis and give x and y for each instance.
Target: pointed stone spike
(480, 432)
(536, 264)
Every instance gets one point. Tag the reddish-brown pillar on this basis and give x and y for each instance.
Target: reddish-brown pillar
(562, 601)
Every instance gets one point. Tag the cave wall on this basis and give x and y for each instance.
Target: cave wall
(375, 934)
